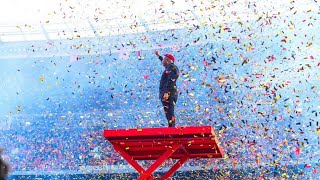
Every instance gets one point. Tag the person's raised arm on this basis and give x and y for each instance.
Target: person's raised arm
(157, 53)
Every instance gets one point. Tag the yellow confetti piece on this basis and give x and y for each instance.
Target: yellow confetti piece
(284, 175)
(139, 129)
(102, 76)
(41, 79)
(195, 67)
(228, 54)
(127, 148)
(222, 80)
(191, 94)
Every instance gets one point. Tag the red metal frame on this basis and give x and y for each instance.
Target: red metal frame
(159, 144)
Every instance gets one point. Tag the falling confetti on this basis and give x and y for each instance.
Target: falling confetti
(250, 69)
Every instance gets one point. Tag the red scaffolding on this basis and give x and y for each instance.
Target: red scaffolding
(159, 144)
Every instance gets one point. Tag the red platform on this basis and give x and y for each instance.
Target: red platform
(159, 144)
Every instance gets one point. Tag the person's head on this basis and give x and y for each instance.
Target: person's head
(168, 59)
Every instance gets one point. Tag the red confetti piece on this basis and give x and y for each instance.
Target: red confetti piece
(215, 168)
(297, 151)
(205, 62)
(314, 170)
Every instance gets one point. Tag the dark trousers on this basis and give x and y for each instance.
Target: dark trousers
(168, 107)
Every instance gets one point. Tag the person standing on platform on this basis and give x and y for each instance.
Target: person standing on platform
(168, 93)
(4, 167)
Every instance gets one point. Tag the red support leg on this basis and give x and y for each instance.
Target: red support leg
(159, 161)
(128, 158)
(174, 168)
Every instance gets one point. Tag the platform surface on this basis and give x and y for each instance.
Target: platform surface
(151, 143)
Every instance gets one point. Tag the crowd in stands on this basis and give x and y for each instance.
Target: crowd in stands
(55, 150)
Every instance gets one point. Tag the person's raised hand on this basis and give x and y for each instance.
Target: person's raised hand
(156, 53)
